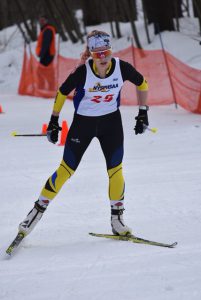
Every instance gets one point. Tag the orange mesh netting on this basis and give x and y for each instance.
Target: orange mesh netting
(170, 80)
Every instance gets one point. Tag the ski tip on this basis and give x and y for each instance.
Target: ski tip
(8, 253)
(98, 234)
(173, 245)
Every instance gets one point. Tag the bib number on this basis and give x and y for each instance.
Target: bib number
(98, 99)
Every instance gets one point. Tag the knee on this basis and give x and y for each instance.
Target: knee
(116, 159)
(64, 170)
(63, 173)
(59, 177)
(56, 181)
(116, 183)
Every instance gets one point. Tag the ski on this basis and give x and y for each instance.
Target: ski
(13, 246)
(133, 239)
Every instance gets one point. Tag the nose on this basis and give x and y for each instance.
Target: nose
(102, 56)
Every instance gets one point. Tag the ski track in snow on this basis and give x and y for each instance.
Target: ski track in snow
(59, 259)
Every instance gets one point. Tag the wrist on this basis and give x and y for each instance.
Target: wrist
(54, 119)
(144, 107)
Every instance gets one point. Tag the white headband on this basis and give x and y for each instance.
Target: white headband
(98, 40)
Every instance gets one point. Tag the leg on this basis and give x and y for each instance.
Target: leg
(112, 145)
(79, 137)
(55, 183)
(76, 144)
(49, 191)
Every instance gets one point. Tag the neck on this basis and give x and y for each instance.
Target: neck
(102, 72)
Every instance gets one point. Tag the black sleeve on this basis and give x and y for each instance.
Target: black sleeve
(47, 38)
(75, 79)
(130, 73)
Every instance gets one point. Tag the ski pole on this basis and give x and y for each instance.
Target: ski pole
(153, 130)
(14, 133)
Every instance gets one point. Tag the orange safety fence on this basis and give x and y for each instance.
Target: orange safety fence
(170, 80)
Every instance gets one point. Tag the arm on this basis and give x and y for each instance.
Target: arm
(53, 127)
(142, 118)
(47, 38)
(75, 78)
(58, 103)
(131, 74)
(142, 93)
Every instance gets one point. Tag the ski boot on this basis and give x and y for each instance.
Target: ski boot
(117, 223)
(32, 219)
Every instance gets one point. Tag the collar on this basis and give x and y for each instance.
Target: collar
(96, 70)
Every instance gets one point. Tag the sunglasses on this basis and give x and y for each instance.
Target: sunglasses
(101, 54)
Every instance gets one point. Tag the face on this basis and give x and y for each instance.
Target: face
(102, 57)
(42, 21)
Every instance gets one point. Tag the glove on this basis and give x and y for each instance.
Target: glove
(53, 129)
(141, 121)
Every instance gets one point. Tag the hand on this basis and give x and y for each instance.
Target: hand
(53, 129)
(141, 121)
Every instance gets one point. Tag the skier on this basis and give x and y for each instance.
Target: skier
(97, 83)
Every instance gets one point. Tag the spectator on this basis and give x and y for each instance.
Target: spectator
(45, 48)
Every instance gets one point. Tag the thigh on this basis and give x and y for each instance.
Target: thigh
(112, 141)
(78, 139)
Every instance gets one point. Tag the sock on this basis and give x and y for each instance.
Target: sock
(42, 201)
(117, 204)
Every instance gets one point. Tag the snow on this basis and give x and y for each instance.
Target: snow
(59, 260)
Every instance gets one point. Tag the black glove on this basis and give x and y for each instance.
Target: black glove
(141, 121)
(53, 129)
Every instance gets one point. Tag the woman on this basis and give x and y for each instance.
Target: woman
(97, 83)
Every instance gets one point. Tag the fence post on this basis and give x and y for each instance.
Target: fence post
(58, 53)
(31, 65)
(133, 52)
(167, 66)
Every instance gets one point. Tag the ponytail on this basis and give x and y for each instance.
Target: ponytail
(84, 56)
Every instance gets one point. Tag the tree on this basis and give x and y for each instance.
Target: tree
(162, 14)
(146, 22)
(131, 13)
(197, 10)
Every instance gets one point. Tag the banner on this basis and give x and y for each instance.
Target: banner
(170, 80)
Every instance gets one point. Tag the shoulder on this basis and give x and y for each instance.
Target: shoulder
(130, 73)
(49, 28)
(75, 78)
(47, 31)
(125, 66)
(80, 70)
(78, 74)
